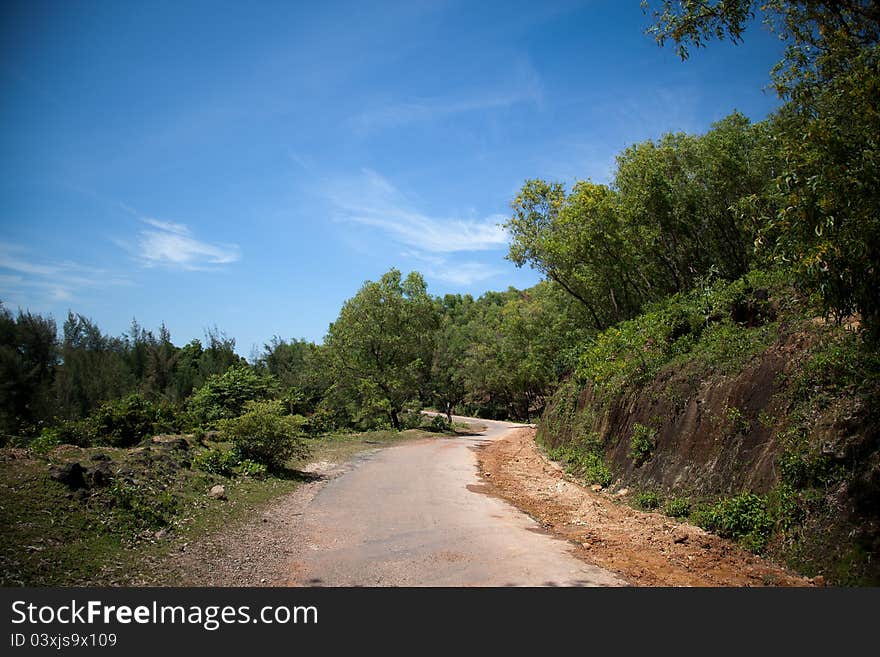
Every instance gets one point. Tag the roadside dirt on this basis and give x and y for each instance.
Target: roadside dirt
(646, 549)
(253, 553)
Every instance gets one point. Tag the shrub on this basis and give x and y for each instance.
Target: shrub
(677, 507)
(642, 443)
(438, 424)
(744, 518)
(121, 422)
(224, 396)
(648, 500)
(144, 506)
(217, 461)
(266, 435)
(47, 439)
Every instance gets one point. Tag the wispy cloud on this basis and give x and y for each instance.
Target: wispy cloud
(462, 273)
(372, 200)
(169, 244)
(525, 87)
(29, 277)
(438, 244)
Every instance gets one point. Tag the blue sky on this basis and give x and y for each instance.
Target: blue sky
(249, 165)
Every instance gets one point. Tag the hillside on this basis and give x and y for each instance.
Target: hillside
(738, 408)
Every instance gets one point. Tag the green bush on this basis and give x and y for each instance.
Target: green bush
(642, 443)
(224, 396)
(121, 422)
(437, 424)
(217, 461)
(677, 507)
(648, 500)
(745, 518)
(265, 434)
(47, 439)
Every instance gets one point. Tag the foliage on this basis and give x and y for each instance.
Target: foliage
(380, 346)
(667, 220)
(677, 507)
(253, 469)
(143, 506)
(821, 212)
(217, 461)
(586, 459)
(702, 325)
(265, 434)
(648, 500)
(122, 422)
(642, 443)
(745, 518)
(224, 396)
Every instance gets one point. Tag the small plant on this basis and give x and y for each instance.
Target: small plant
(143, 507)
(48, 439)
(217, 461)
(766, 420)
(585, 459)
(642, 443)
(739, 424)
(438, 424)
(745, 518)
(253, 469)
(648, 500)
(677, 507)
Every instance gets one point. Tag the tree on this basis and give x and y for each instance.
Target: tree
(28, 358)
(224, 396)
(380, 346)
(823, 215)
(93, 369)
(300, 368)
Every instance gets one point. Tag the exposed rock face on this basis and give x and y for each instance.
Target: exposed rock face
(712, 433)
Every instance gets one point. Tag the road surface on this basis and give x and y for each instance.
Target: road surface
(413, 515)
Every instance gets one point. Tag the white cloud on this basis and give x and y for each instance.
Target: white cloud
(372, 200)
(173, 245)
(33, 277)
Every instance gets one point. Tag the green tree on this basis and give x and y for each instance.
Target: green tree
(823, 216)
(224, 396)
(28, 358)
(381, 344)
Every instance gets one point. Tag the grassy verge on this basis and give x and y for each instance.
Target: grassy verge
(132, 506)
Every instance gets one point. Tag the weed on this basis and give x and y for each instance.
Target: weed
(642, 443)
(648, 500)
(677, 507)
(745, 518)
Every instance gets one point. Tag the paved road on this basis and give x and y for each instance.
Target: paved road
(412, 515)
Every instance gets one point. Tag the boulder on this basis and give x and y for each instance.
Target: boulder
(69, 474)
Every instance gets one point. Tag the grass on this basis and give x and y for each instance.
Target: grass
(117, 534)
